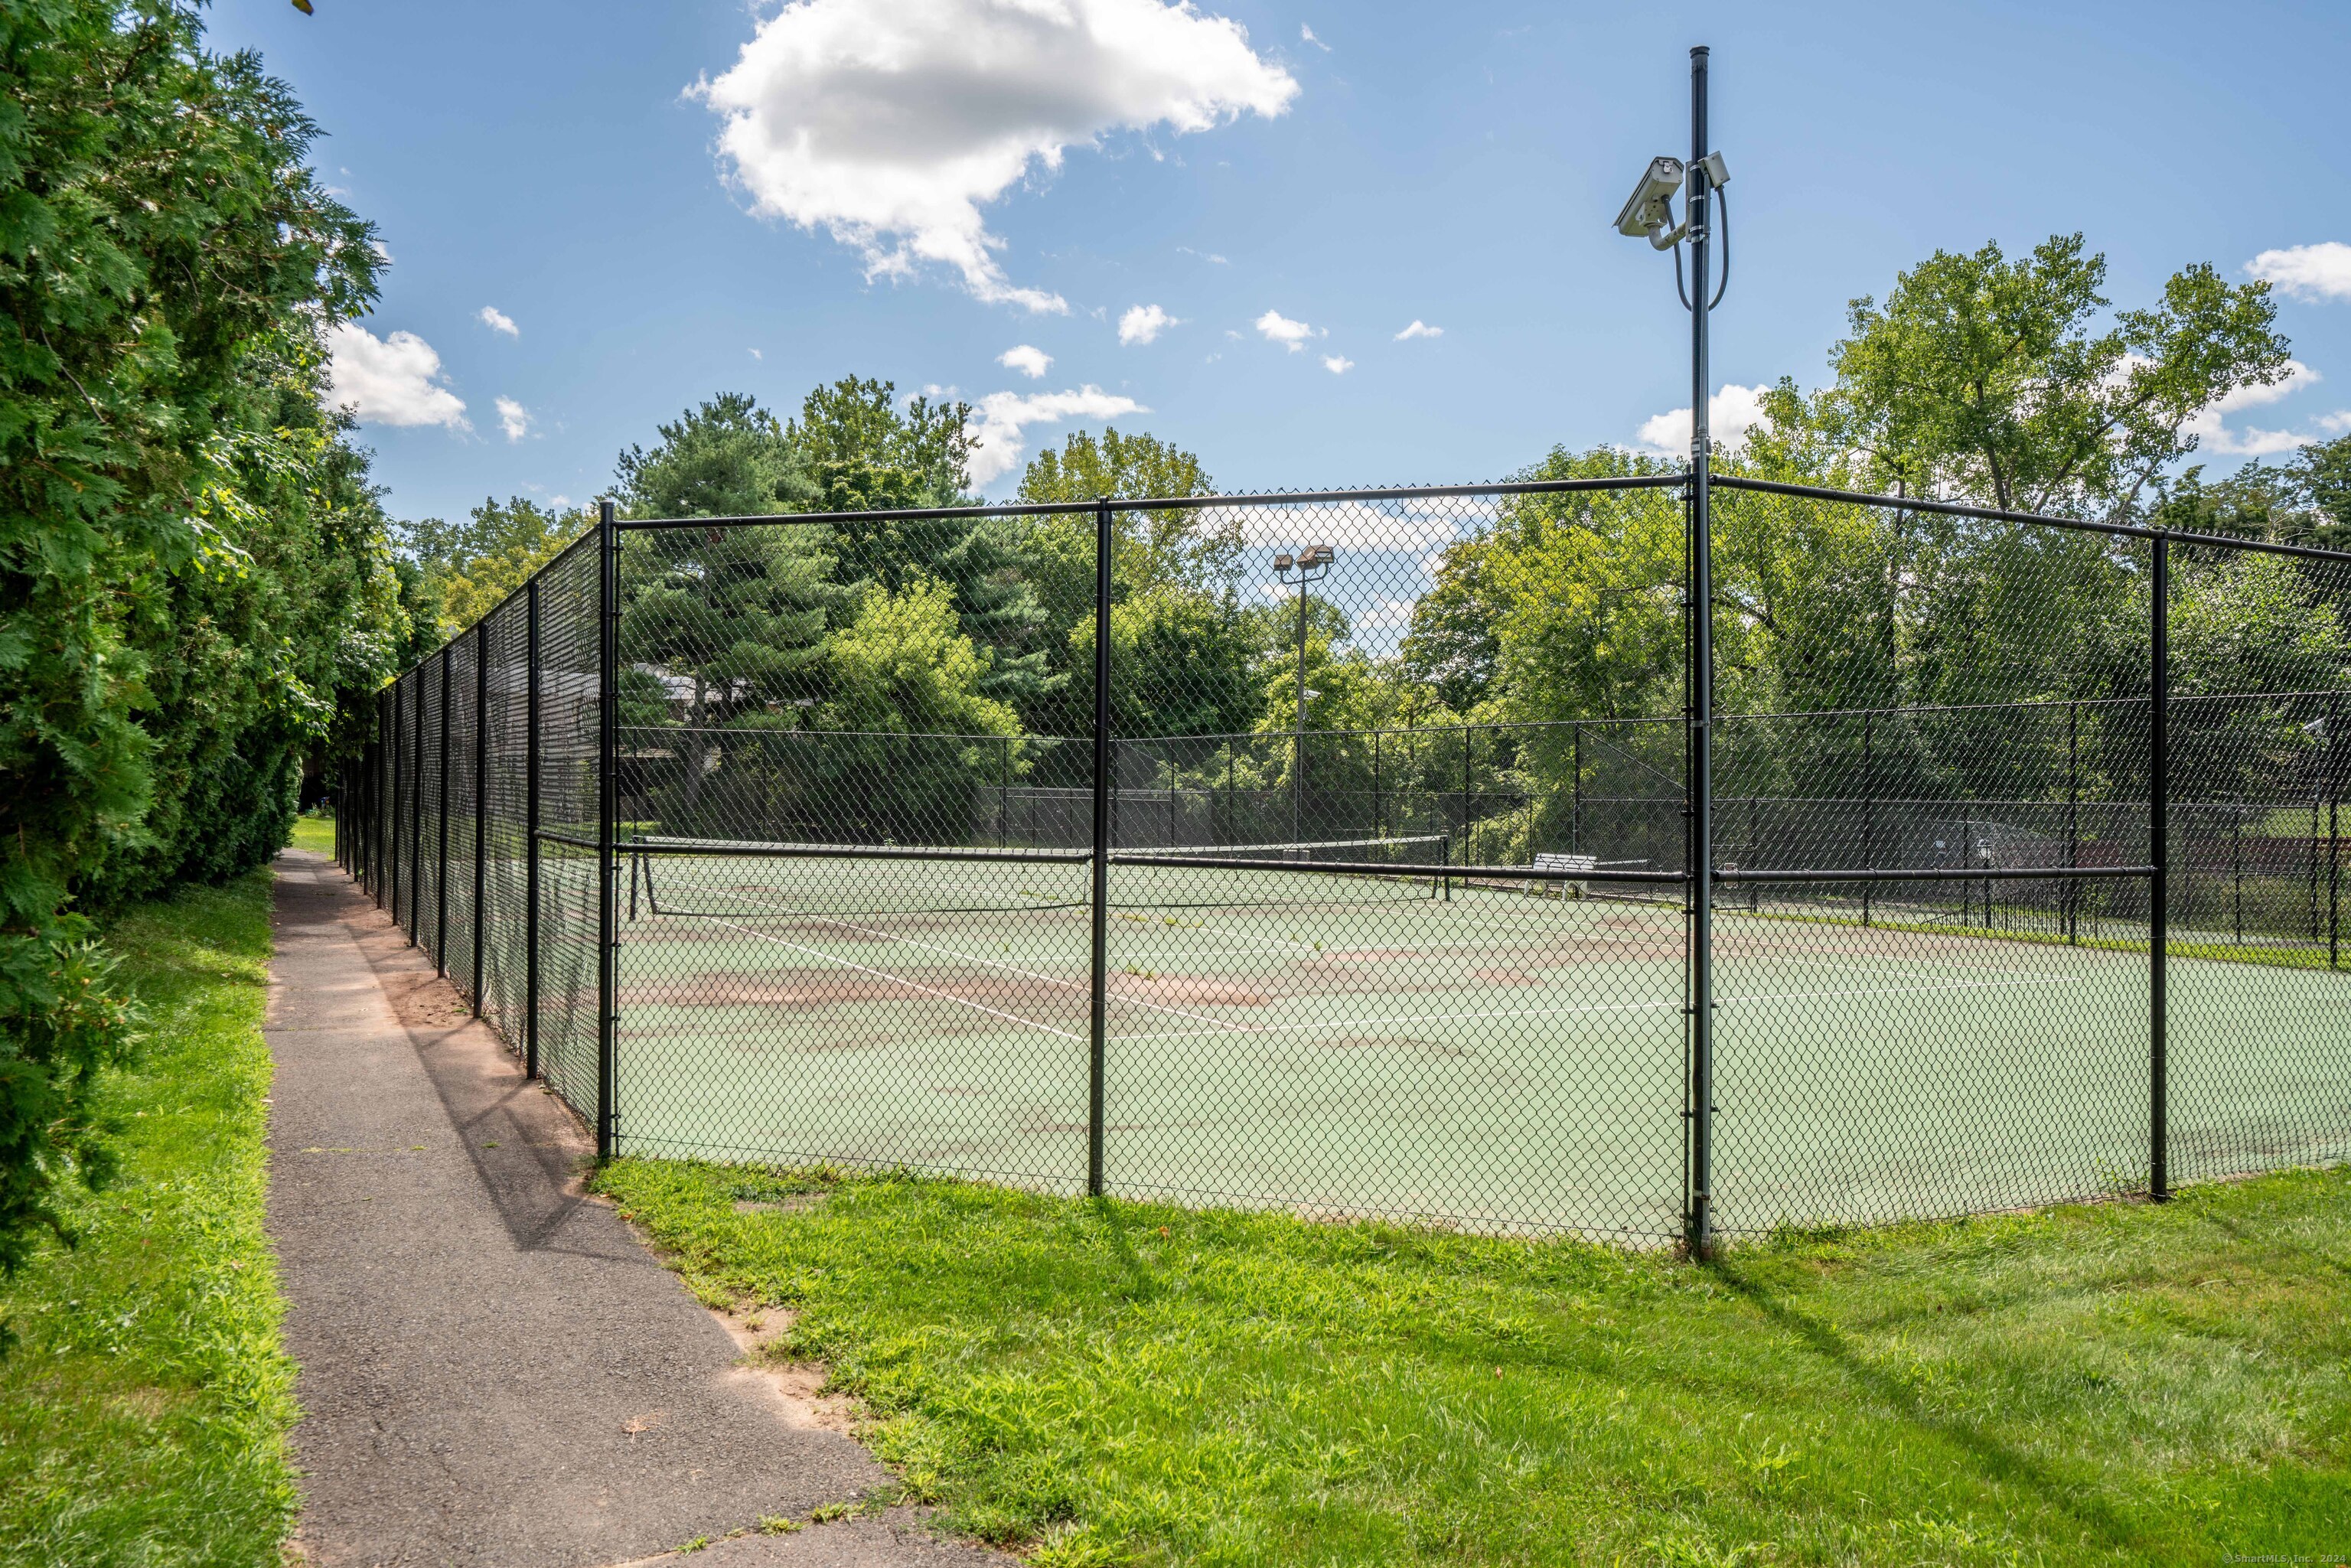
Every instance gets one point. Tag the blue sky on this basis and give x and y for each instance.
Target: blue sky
(1456, 166)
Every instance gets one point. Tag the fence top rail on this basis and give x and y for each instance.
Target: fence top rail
(1179, 502)
(1282, 736)
(854, 734)
(1995, 514)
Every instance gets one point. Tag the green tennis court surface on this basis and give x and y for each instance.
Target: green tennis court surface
(1473, 1055)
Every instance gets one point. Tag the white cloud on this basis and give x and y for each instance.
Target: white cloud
(1144, 323)
(389, 381)
(2212, 434)
(1419, 329)
(1210, 256)
(498, 320)
(1030, 361)
(756, 354)
(998, 441)
(1337, 364)
(890, 123)
(1280, 328)
(1729, 415)
(1307, 33)
(2312, 272)
(513, 419)
(2336, 423)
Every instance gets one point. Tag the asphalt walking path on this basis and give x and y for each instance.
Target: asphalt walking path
(493, 1370)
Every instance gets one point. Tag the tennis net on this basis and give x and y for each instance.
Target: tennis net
(749, 880)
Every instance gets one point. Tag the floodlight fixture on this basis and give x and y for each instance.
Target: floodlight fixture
(1648, 213)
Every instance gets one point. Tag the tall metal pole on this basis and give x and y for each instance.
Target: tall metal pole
(481, 800)
(608, 747)
(530, 832)
(1098, 1038)
(1699, 1218)
(2158, 830)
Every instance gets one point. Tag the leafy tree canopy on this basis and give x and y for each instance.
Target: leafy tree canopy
(2006, 382)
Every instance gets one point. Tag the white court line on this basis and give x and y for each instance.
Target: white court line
(1912, 990)
(1673, 1006)
(1571, 1009)
(897, 979)
(992, 963)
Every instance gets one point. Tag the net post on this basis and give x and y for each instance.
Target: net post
(1698, 1215)
(608, 611)
(1098, 1034)
(2158, 795)
(481, 793)
(530, 830)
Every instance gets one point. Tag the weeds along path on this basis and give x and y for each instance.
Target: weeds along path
(492, 1369)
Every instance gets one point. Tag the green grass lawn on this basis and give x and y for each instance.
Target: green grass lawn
(144, 1411)
(315, 833)
(1125, 1382)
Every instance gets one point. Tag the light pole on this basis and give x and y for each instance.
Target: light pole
(1312, 564)
(1649, 215)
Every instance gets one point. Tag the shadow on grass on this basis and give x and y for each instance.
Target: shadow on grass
(1992, 1459)
(2238, 1234)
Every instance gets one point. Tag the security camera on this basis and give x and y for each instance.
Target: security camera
(1649, 214)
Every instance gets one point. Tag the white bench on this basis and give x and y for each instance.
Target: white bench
(1553, 862)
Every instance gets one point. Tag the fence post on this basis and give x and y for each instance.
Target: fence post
(1868, 809)
(1575, 807)
(1379, 801)
(481, 797)
(416, 809)
(1098, 1038)
(608, 737)
(2158, 936)
(2334, 837)
(2073, 821)
(2237, 871)
(530, 832)
(441, 831)
(384, 727)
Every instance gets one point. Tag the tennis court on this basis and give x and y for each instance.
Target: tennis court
(1473, 1053)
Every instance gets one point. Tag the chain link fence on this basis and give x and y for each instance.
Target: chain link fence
(1333, 851)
